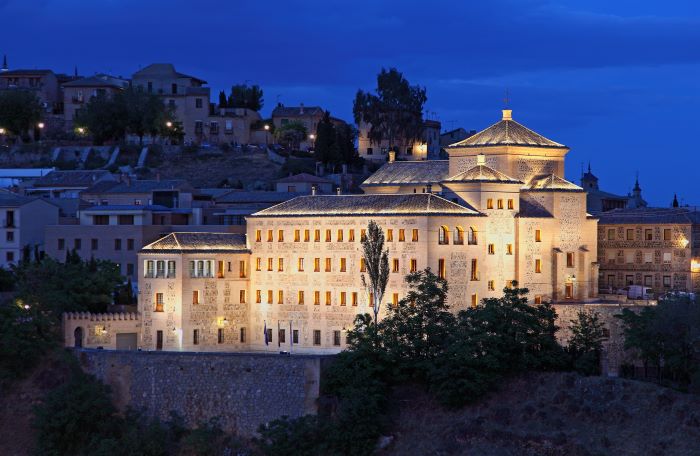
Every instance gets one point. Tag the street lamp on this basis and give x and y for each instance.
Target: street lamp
(40, 125)
(169, 124)
(2, 131)
(267, 136)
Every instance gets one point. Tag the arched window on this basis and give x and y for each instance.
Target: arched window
(444, 235)
(473, 238)
(459, 236)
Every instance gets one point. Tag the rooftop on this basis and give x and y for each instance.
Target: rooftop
(12, 200)
(99, 80)
(656, 215)
(140, 186)
(198, 242)
(304, 177)
(529, 208)
(483, 173)
(297, 111)
(25, 72)
(239, 196)
(553, 182)
(409, 172)
(414, 204)
(163, 69)
(507, 132)
(73, 178)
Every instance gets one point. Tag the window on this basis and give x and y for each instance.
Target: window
(492, 249)
(354, 298)
(443, 235)
(307, 236)
(336, 338)
(159, 302)
(258, 264)
(538, 235)
(269, 235)
(667, 281)
(159, 340)
(195, 297)
(570, 259)
(328, 265)
(117, 244)
(10, 256)
(629, 279)
(473, 240)
(370, 151)
(328, 298)
(198, 103)
(491, 285)
(648, 257)
(489, 203)
(511, 204)
(667, 257)
(328, 235)
(342, 264)
(282, 336)
(363, 235)
(280, 264)
(395, 299)
(500, 204)
(280, 235)
(474, 270)
(389, 235)
(538, 299)
(630, 234)
(269, 296)
(77, 244)
(475, 300)
(100, 219)
(241, 296)
(363, 266)
(195, 337)
(667, 234)
(129, 244)
(258, 235)
(125, 220)
(648, 280)
(395, 265)
(300, 264)
(351, 236)
(150, 267)
(648, 234)
(509, 249)
(130, 269)
(242, 336)
(94, 244)
(295, 336)
(441, 268)
(611, 234)
(343, 298)
(459, 236)
(269, 335)
(317, 235)
(317, 265)
(414, 236)
(258, 297)
(538, 265)
(370, 300)
(269, 264)
(61, 244)
(220, 336)
(242, 269)
(300, 296)
(10, 219)
(297, 235)
(340, 236)
(280, 297)
(173, 88)
(414, 265)
(317, 337)
(402, 235)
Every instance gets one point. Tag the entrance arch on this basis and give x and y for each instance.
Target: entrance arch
(78, 334)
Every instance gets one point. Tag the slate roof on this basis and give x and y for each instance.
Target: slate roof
(483, 173)
(552, 182)
(304, 177)
(72, 178)
(198, 242)
(414, 204)
(507, 132)
(655, 215)
(409, 173)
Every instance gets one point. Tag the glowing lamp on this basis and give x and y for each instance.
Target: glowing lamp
(2, 131)
(267, 127)
(695, 265)
(40, 125)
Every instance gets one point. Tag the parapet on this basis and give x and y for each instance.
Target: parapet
(89, 316)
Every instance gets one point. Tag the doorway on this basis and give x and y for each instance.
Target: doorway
(78, 334)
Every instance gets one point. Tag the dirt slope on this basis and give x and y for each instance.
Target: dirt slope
(554, 414)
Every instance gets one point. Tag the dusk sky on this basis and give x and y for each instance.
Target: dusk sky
(616, 81)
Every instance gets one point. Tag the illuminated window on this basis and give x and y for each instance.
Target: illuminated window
(538, 299)
(630, 234)
(363, 235)
(570, 259)
(443, 235)
(492, 285)
(473, 239)
(509, 249)
(317, 235)
(342, 265)
(269, 264)
(340, 236)
(269, 296)
(395, 265)
(258, 264)
(317, 298)
(354, 298)
(489, 203)
(328, 235)
(395, 299)
(297, 235)
(195, 296)
(269, 235)
(538, 265)
(317, 265)
(328, 298)
(363, 266)
(280, 235)
(648, 257)
(258, 235)
(667, 257)
(492, 249)
(511, 204)
(414, 236)
(475, 300)
(300, 265)
(370, 299)
(242, 269)
(611, 234)
(159, 302)
(648, 234)
(500, 204)
(538, 235)
(414, 265)
(280, 264)
(343, 298)
(258, 296)
(402, 235)
(307, 236)
(459, 236)
(389, 235)
(300, 296)
(351, 236)
(328, 265)
(475, 270)
(280, 297)
(241, 296)
(441, 268)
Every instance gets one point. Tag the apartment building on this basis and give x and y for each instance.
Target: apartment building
(308, 116)
(79, 92)
(22, 224)
(653, 247)
(427, 148)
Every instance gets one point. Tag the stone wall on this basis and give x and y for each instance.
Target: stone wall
(243, 390)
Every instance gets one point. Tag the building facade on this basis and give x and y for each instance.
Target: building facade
(427, 148)
(77, 93)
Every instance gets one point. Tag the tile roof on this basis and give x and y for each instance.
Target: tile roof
(507, 132)
(374, 204)
(552, 182)
(163, 69)
(147, 186)
(198, 242)
(644, 215)
(482, 173)
(73, 178)
(409, 172)
(304, 177)
(238, 197)
(12, 200)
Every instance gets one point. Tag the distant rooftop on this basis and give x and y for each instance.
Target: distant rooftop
(553, 182)
(198, 242)
(483, 173)
(305, 178)
(296, 111)
(163, 69)
(99, 80)
(409, 172)
(73, 178)
(655, 215)
(239, 196)
(144, 186)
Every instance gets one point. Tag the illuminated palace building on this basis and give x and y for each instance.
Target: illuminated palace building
(498, 210)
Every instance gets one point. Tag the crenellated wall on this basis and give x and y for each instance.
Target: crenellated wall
(108, 330)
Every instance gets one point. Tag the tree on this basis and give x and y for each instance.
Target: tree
(223, 102)
(325, 144)
(586, 342)
(291, 134)
(244, 96)
(376, 264)
(145, 113)
(20, 111)
(395, 112)
(345, 143)
(104, 118)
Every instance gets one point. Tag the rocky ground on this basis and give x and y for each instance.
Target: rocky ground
(553, 414)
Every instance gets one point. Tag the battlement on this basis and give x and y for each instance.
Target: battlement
(89, 316)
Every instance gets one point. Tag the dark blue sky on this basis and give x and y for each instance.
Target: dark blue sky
(617, 81)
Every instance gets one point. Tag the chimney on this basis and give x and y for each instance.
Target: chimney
(507, 114)
(337, 191)
(481, 159)
(392, 156)
(301, 108)
(313, 190)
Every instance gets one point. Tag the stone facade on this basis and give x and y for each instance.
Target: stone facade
(243, 391)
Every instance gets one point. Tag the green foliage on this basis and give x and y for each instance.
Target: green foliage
(291, 134)
(75, 285)
(104, 118)
(395, 111)
(26, 333)
(377, 265)
(335, 145)
(586, 342)
(223, 102)
(244, 96)
(7, 280)
(20, 111)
